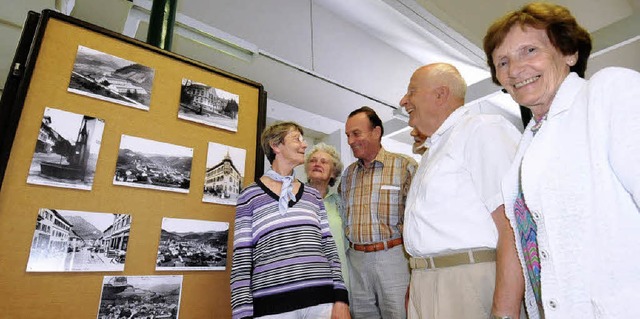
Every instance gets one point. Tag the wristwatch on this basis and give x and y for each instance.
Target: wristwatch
(500, 317)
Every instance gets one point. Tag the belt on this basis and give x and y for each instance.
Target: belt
(454, 259)
(383, 245)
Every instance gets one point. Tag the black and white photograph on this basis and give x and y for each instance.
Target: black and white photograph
(110, 78)
(156, 297)
(145, 163)
(224, 174)
(67, 150)
(189, 244)
(207, 105)
(67, 241)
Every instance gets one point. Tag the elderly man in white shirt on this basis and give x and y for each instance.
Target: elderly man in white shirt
(450, 220)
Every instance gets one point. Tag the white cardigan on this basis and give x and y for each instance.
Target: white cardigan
(581, 182)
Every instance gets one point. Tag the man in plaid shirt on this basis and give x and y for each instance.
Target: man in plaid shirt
(373, 191)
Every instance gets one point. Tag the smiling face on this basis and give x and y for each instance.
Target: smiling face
(320, 167)
(426, 113)
(291, 150)
(362, 137)
(531, 68)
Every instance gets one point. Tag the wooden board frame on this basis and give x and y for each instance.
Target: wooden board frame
(44, 84)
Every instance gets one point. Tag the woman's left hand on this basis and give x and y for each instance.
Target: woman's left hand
(340, 311)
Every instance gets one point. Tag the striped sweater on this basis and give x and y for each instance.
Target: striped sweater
(281, 262)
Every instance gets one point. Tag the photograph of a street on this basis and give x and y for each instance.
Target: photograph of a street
(208, 105)
(66, 240)
(149, 297)
(66, 150)
(189, 244)
(106, 77)
(145, 163)
(224, 174)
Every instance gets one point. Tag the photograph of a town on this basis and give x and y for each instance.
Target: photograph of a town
(207, 105)
(224, 174)
(66, 240)
(110, 78)
(148, 297)
(145, 163)
(66, 150)
(189, 244)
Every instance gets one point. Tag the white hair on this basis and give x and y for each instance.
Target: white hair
(447, 74)
(335, 158)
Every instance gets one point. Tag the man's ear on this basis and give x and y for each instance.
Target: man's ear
(378, 132)
(442, 94)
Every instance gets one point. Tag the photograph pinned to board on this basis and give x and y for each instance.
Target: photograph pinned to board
(150, 164)
(66, 150)
(67, 241)
(110, 78)
(190, 244)
(140, 297)
(207, 105)
(224, 174)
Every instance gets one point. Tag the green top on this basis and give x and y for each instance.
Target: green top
(337, 231)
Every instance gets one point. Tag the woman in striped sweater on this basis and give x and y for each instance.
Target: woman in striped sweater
(285, 262)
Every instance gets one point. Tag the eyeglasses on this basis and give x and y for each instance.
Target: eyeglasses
(297, 137)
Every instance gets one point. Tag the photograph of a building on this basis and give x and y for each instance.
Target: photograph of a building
(66, 150)
(207, 105)
(110, 78)
(189, 244)
(149, 297)
(66, 240)
(224, 174)
(145, 163)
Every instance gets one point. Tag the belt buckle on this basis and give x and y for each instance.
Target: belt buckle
(423, 263)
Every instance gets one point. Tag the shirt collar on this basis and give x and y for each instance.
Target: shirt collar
(379, 157)
(332, 196)
(565, 94)
(450, 122)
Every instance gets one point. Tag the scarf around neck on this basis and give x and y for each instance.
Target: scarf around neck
(286, 193)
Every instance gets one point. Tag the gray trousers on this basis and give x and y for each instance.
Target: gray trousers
(378, 283)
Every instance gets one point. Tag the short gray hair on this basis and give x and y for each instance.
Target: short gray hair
(335, 158)
(275, 133)
(447, 74)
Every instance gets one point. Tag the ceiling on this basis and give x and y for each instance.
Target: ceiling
(318, 56)
(421, 27)
(614, 24)
(461, 26)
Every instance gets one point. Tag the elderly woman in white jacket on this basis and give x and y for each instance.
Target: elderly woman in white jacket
(571, 244)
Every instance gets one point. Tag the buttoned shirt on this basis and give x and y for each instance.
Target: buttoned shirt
(457, 185)
(374, 197)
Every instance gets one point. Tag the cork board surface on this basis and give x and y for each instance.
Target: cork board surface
(205, 294)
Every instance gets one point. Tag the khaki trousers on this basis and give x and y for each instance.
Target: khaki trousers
(459, 292)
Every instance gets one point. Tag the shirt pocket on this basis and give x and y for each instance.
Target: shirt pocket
(389, 195)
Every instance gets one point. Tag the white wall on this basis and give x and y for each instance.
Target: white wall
(306, 55)
(341, 47)
(12, 17)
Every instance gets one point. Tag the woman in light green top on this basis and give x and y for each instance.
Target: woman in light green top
(323, 169)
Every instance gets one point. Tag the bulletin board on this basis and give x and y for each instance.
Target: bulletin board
(167, 191)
